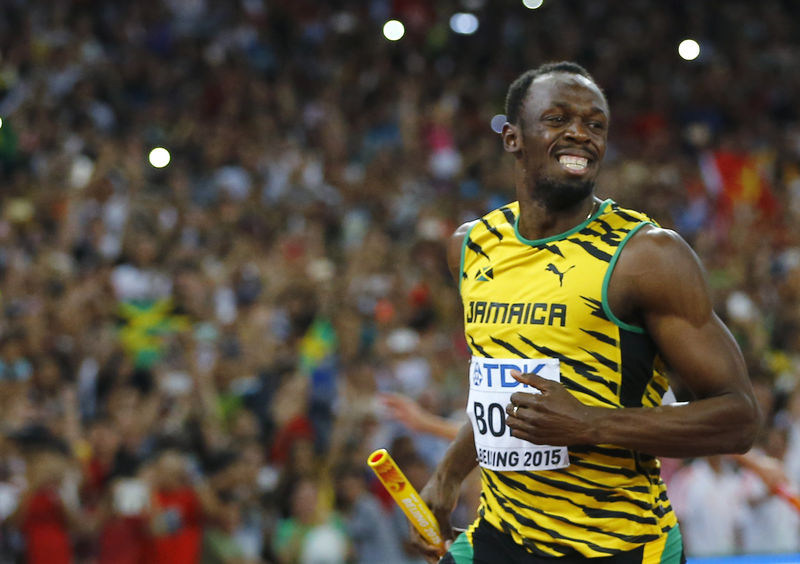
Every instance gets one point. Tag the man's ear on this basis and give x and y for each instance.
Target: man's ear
(512, 138)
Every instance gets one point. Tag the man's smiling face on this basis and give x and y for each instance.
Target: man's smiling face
(561, 138)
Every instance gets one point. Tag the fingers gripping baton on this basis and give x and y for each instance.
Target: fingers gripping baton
(406, 496)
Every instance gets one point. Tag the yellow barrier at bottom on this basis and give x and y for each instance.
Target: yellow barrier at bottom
(406, 496)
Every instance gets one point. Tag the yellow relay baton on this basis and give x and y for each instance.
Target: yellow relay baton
(406, 496)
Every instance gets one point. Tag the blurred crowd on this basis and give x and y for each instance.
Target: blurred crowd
(192, 357)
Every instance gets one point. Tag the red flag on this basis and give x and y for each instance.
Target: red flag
(735, 178)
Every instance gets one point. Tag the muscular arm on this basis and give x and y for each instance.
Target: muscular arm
(667, 285)
(441, 491)
(658, 281)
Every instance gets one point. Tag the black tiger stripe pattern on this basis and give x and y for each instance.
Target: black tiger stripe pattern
(609, 499)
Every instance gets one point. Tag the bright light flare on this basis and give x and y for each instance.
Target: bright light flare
(689, 49)
(393, 30)
(464, 23)
(532, 4)
(159, 157)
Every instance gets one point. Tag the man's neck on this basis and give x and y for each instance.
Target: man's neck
(537, 221)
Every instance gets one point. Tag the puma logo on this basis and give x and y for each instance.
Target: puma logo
(552, 268)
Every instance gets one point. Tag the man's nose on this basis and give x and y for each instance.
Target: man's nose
(577, 130)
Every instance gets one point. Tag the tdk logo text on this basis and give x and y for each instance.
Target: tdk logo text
(498, 374)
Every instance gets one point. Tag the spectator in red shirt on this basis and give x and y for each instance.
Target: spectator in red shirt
(47, 514)
(179, 509)
(124, 532)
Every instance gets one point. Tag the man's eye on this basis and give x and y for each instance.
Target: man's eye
(556, 119)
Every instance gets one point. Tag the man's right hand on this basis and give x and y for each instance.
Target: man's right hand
(442, 490)
(441, 497)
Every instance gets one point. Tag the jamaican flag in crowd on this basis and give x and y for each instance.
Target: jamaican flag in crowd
(145, 327)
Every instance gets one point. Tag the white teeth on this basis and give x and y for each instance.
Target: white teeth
(573, 163)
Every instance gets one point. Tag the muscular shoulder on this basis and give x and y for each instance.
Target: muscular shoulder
(658, 272)
(658, 251)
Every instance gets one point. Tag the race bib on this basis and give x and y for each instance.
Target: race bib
(490, 389)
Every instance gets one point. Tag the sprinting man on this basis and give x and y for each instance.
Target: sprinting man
(566, 378)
